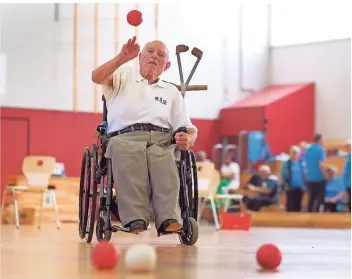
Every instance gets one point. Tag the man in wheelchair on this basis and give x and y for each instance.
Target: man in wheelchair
(143, 114)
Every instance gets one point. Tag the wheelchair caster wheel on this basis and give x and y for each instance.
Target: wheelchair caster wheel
(100, 232)
(189, 236)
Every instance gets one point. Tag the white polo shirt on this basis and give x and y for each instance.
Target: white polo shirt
(132, 100)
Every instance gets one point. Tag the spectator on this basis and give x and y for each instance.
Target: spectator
(267, 188)
(230, 176)
(334, 190)
(303, 148)
(347, 174)
(292, 177)
(201, 156)
(314, 159)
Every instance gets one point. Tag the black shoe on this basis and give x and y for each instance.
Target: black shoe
(169, 226)
(137, 226)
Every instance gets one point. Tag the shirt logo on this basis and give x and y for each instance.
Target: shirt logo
(160, 100)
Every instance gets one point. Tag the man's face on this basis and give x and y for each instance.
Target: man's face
(320, 141)
(228, 160)
(154, 59)
(264, 173)
(295, 155)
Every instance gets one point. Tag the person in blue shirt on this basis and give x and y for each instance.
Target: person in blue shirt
(347, 175)
(315, 173)
(334, 190)
(292, 177)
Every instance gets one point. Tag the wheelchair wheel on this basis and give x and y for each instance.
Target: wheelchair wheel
(103, 230)
(190, 235)
(84, 190)
(102, 234)
(92, 205)
(194, 178)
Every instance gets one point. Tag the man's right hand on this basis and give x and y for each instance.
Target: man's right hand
(130, 50)
(104, 74)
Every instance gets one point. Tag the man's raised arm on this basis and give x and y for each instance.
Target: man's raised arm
(104, 74)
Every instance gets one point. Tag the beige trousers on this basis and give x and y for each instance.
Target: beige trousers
(144, 170)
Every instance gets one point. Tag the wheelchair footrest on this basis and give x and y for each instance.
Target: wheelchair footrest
(167, 233)
(119, 229)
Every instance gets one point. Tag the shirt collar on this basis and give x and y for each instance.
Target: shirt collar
(139, 78)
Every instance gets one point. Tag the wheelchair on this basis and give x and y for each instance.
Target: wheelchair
(96, 185)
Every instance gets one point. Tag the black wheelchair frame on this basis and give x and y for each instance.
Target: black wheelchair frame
(96, 170)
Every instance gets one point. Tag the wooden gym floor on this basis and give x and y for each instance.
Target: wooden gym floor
(52, 254)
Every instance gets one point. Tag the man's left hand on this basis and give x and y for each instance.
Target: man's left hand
(183, 140)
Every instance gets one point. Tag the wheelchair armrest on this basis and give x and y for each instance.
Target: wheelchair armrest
(102, 128)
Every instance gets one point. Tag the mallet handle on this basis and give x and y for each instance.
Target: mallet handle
(193, 87)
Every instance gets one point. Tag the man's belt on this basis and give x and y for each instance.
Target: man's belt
(139, 127)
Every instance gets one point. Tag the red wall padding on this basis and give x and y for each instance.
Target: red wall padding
(235, 120)
(288, 108)
(63, 135)
(291, 119)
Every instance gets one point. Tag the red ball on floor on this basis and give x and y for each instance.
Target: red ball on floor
(269, 256)
(134, 17)
(104, 255)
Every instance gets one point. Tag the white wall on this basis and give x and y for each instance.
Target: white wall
(298, 22)
(40, 51)
(30, 55)
(329, 65)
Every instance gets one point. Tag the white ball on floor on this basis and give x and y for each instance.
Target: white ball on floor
(141, 258)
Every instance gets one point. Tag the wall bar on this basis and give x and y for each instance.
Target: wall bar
(96, 54)
(75, 54)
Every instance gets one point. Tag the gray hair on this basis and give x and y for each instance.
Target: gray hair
(331, 168)
(201, 156)
(156, 41)
(265, 168)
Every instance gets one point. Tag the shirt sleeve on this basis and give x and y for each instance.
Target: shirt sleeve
(322, 155)
(179, 116)
(223, 169)
(283, 171)
(119, 79)
(235, 168)
(254, 180)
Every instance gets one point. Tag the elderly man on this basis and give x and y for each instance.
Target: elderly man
(266, 186)
(143, 114)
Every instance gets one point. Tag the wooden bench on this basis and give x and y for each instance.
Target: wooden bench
(302, 220)
(67, 191)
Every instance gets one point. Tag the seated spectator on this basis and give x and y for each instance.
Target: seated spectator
(347, 174)
(267, 188)
(292, 177)
(201, 156)
(334, 190)
(230, 176)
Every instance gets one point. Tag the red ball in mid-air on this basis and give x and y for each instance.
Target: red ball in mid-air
(269, 256)
(134, 17)
(105, 256)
